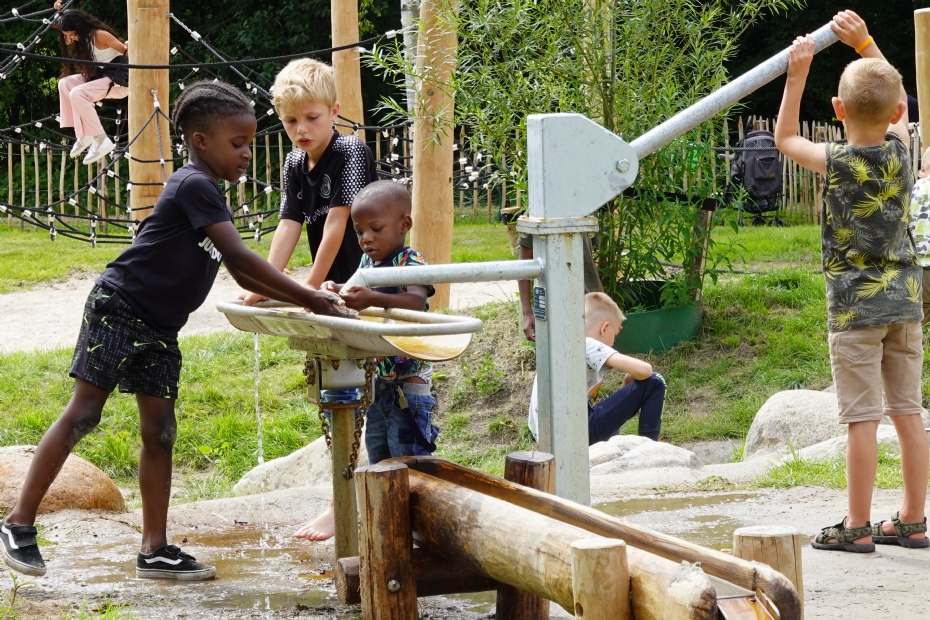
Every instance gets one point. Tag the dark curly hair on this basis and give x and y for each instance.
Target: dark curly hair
(203, 104)
(84, 25)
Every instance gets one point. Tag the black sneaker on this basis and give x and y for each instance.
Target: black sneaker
(172, 563)
(20, 549)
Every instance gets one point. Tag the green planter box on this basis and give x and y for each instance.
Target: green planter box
(659, 330)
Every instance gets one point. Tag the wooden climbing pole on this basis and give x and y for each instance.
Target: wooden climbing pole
(346, 65)
(149, 44)
(922, 58)
(433, 209)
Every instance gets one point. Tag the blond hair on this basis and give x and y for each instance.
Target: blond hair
(598, 308)
(925, 161)
(304, 81)
(870, 88)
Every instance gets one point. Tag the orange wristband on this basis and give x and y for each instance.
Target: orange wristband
(864, 45)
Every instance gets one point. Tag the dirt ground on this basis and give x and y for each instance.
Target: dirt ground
(264, 573)
(48, 316)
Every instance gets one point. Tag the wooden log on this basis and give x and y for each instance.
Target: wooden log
(344, 495)
(593, 560)
(535, 470)
(433, 209)
(922, 59)
(528, 550)
(9, 182)
(346, 65)
(268, 199)
(700, 237)
(388, 586)
(751, 576)
(148, 30)
(775, 545)
(435, 576)
(61, 181)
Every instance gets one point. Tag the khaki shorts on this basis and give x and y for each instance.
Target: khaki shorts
(874, 360)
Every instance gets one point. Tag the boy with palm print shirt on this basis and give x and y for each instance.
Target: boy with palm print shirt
(873, 280)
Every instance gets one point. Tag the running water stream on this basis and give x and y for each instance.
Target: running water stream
(263, 541)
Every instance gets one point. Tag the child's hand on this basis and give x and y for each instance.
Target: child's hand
(627, 379)
(357, 297)
(330, 286)
(800, 55)
(850, 28)
(250, 299)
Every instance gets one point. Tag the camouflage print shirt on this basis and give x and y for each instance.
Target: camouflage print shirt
(398, 368)
(869, 263)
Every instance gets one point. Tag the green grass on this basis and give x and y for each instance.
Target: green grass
(216, 419)
(830, 472)
(769, 246)
(29, 258)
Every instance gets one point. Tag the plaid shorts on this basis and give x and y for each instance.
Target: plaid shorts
(115, 347)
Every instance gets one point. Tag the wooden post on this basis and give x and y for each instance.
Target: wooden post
(148, 31)
(922, 58)
(433, 209)
(535, 470)
(593, 559)
(388, 586)
(776, 545)
(344, 493)
(700, 237)
(9, 182)
(346, 64)
(61, 181)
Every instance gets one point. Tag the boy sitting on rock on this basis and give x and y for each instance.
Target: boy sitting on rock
(643, 390)
(873, 280)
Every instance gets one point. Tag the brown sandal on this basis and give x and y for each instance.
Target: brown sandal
(844, 538)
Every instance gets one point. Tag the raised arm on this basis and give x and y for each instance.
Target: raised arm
(853, 32)
(800, 149)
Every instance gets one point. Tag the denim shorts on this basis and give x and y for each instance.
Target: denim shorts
(391, 431)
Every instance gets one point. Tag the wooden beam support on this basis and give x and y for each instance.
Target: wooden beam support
(433, 208)
(523, 548)
(388, 586)
(148, 32)
(346, 64)
(601, 579)
(344, 498)
(435, 576)
(922, 58)
(535, 470)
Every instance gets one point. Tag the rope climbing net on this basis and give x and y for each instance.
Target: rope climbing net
(46, 189)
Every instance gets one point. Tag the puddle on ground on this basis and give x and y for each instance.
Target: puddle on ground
(684, 517)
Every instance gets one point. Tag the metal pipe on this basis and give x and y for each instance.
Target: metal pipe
(447, 274)
(720, 100)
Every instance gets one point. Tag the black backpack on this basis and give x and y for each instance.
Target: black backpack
(759, 171)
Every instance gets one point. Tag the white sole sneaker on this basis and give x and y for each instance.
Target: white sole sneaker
(99, 150)
(187, 575)
(80, 145)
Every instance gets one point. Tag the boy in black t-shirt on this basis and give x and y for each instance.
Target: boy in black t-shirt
(321, 175)
(131, 321)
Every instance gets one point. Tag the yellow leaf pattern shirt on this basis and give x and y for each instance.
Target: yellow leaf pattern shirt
(869, 262)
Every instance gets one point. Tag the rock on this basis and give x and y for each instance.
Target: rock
(796, 419)
(310, 466)
(79, 485)
(628, 452)
(831, 447)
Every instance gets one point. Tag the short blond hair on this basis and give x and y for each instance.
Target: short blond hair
(599, 307)
(870, 88)
(304, 81)
(925, 161)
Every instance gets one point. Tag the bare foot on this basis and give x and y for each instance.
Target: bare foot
(321, 528)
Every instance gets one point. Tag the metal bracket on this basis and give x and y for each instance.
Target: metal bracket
(556, 226)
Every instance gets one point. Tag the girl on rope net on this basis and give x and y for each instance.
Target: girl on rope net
(84, 37)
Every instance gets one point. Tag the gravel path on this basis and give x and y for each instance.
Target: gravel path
(48, 317)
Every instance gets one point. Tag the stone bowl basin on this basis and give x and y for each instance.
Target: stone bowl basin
(427, 336)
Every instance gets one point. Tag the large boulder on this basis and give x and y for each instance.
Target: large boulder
(79, 485)
(831, 447)
(796, 419)
(310, 466)
(628, 452)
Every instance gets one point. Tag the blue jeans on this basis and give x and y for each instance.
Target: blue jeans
(645, 397)
(339, 397)
(391, 431)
